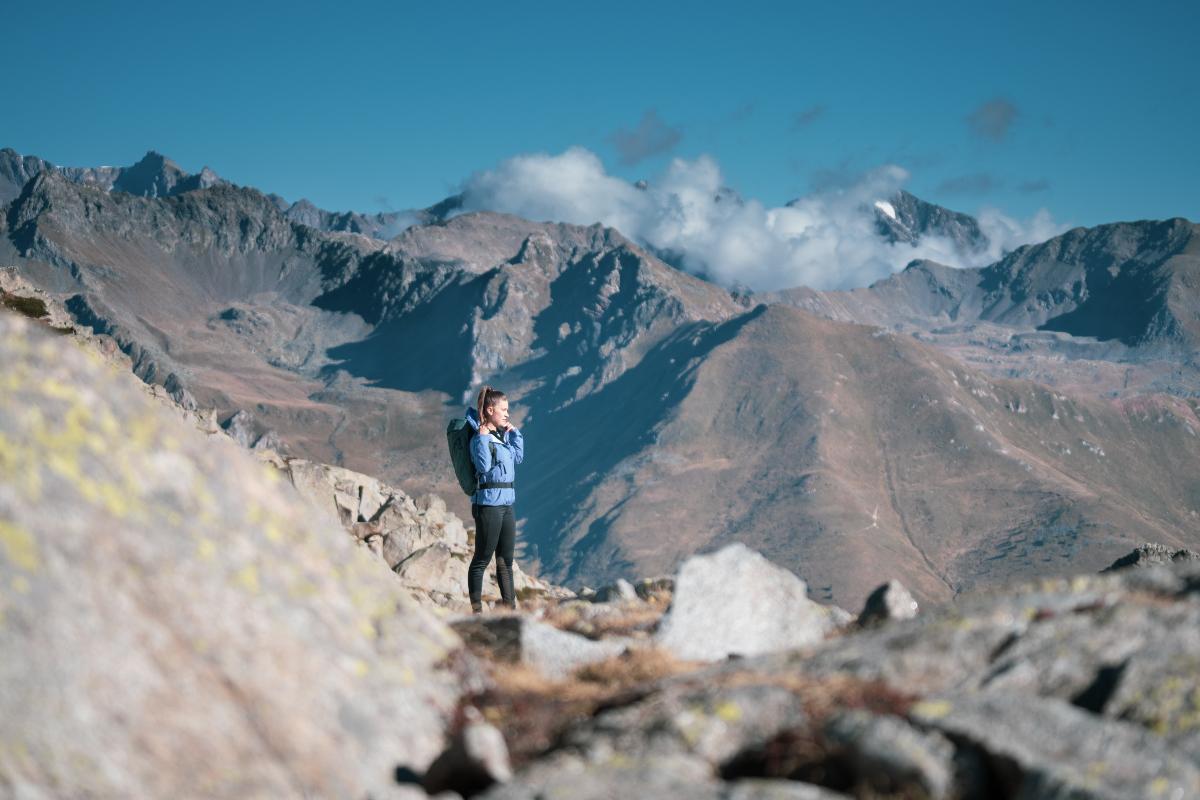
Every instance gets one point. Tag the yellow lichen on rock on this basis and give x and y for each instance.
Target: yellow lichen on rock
(247, 578)
(728, 711)
(932, 709)
(20, 548)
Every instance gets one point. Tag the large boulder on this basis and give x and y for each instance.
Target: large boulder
(1039, 747)
(573, 778)
(176, 621)
(735, 602)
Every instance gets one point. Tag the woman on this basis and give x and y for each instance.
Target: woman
(495, 450)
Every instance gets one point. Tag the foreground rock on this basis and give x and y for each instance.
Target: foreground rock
(1049, 748)
(1082, 688)
(186, 625)
(520, 640)
(735, 602)
(676, 776)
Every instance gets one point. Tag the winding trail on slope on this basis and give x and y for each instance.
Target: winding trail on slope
(895, 501)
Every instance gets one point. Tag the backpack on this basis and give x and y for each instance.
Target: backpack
(458, 437)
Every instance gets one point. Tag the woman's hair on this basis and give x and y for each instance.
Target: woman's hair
(487, 397)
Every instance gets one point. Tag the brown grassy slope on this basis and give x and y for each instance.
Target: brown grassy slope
(853, 456)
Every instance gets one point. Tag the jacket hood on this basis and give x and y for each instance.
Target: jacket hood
(472, 417)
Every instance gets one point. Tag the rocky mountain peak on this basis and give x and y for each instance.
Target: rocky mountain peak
(904, 217)
(154, 175)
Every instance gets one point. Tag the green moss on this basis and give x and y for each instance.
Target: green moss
(29, 306)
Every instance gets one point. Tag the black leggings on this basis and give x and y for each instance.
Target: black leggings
(495, 533)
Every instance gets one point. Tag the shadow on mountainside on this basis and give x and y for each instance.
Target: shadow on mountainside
(588, 440)
(1122, 308)
(427, 348)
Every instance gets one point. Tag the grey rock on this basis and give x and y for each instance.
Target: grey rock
(650, 588)
(890, 601)
(615, 592)
(476, 759)
(270, 441)
(958, 646)
(518, 639)
(713, 722)
(431, 505)
(1152, 554)
(240, 428)
(1042, 747)
(371, 497)
(571, 778)
(179, 392)
(889, 756)
(435, 568)
(397, 546)
(224, 638)
(734, 601)
(840, 616)
(1157, 684)
(674, 776)
(761, 789)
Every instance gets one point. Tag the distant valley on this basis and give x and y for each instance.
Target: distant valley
(951, 427)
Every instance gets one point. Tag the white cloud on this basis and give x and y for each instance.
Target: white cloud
(825, 240)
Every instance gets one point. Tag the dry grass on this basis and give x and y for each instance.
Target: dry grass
(634, 668)
(823, 696)
(606, 620)
(532, 711)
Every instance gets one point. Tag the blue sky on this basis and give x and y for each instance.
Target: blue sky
(1087, 109)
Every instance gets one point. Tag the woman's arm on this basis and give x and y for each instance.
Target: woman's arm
(481, 454)
(517, 442)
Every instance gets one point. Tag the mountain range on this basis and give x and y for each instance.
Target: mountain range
(951, 427)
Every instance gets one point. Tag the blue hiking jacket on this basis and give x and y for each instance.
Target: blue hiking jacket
(510, 451)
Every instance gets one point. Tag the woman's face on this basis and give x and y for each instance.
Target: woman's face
(498, 413)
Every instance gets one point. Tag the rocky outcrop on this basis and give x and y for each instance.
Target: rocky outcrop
(186, 625)
(1152, 554)
(426, 545)
(735, 602)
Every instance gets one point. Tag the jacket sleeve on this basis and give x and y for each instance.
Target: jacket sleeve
(517, 443)
(481, 454)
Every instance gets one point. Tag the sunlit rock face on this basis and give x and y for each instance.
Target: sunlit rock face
(176, 620)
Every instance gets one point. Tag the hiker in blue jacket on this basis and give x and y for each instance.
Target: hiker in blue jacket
(496, 449)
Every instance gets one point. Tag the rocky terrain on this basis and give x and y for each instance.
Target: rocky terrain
(950, 428)
(203, 621)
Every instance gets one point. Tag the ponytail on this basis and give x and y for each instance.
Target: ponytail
(487, 397)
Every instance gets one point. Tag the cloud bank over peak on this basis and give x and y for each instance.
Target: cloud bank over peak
(825, 240)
